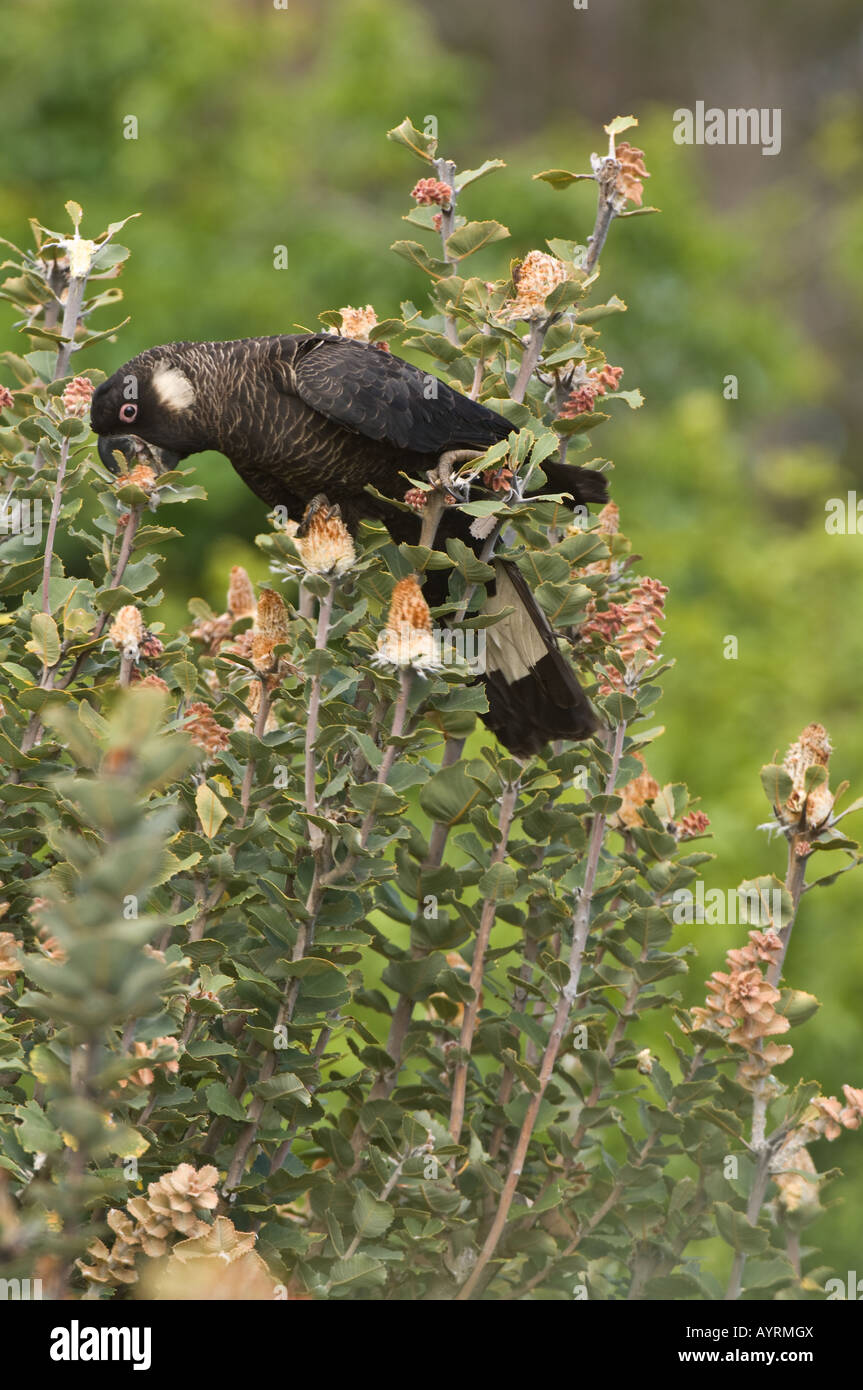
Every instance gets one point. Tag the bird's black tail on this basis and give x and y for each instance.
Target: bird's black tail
(585, 484)
(533, 694)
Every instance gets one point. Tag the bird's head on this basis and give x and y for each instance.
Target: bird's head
(152, 398)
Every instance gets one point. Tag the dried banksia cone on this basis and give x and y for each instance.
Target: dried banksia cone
(810, 809)
(628, 184)
(127, 632)
(741, 1004)
(152, 1227)
(408, 639)
(183, 1192)
(323, 541)
(852, 1114)
(262, 652)
(534, 279)
(241, 594)
(113, 1267)
(204, 729)
(358, 323)
(174, 1203)
(76, 396)
(219, 1263)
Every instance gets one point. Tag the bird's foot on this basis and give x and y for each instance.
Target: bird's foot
(444, 486)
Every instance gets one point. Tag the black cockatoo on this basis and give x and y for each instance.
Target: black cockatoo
(311, 413)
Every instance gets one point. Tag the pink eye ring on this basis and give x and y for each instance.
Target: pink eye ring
(128, 412)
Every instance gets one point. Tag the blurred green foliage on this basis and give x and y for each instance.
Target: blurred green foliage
(260, 127)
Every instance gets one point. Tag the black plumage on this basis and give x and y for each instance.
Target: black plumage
(304, 414)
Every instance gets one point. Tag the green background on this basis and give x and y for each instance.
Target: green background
(261, 127)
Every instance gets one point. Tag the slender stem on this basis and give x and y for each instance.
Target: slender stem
(285, 1147)
(400, 715)
(305, 934)
(445, 170)
(617, 1189)
(384, 1193)
(759, 1144)
(324, 615)
(530, 358)
(56, 503)
(581, 927)
(49, 673)
(249, 774)
(71, 315)
(602, 226)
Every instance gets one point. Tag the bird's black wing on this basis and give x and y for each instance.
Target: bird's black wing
(368, 390)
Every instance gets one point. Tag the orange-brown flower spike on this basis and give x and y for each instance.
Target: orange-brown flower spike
(241, 594)
(358, 323)
(323, 541)
(204, 729)
(272, 617)
(408, 640)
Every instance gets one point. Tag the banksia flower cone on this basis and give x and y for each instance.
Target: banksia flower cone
(142, 476)
(204, 729)
(241, 594)
(272, 627)
(109, 1267)
(407, 640)
(811, 750)
(534, 279)
(76, 396)
(127, 632)
(323, 541)
(358, 323)
(272, 619)
(174, 1204)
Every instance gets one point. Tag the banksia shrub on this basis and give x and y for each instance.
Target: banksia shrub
(308, 987)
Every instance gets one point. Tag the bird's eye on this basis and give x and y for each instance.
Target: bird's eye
(128, 412)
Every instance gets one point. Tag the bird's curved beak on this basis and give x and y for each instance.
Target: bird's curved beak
(109, 444)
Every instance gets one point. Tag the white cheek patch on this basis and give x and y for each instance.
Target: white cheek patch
(173, 388)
